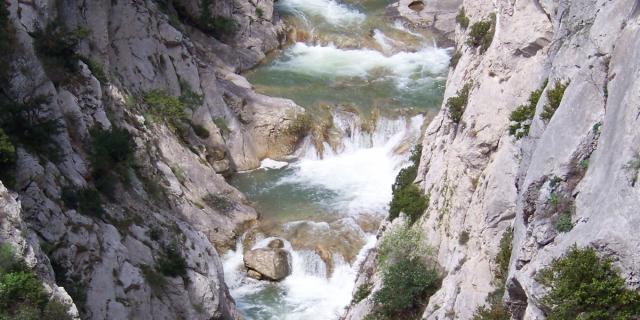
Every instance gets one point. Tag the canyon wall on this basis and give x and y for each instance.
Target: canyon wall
(167, 206)
(577, 163)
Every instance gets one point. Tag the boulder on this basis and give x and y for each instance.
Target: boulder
(268, 263)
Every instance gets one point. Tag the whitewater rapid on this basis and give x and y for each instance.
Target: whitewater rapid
(330, 198)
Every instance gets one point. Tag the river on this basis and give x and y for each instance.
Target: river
(370, 82)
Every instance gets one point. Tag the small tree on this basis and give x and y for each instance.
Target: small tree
(583, 286)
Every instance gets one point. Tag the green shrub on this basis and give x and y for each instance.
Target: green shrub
(4, 26)
(407, 286)
(24, 125)
(200, 131)
(218, 202)
(407, 197)
(111, 152)
(164, 106)
(481, 33)
(97, 69)
(523, 115)
(503, 257)
(7, 158)
(463, 238)
(583, 286)
(399, 242)
(156, 281)
(218, 26)
(171, 263)
(86, 201)
(495, 308)
(22, 295)
(455, 58)
(458, 103)
(563, 224)
(221, 123)
(259, 12)
(410, 200)
(462, 19)
(57, 47)
(188, 97)
(363, 291)
(554, 97)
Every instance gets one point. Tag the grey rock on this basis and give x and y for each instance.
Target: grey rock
(271, 264)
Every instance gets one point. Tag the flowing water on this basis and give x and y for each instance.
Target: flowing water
(370, 82)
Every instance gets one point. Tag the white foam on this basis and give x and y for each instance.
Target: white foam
(308, 293)
(363, 172)
(329, 61)
(331, 11)
(272, 164)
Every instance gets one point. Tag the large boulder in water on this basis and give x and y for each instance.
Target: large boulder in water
(268, 263)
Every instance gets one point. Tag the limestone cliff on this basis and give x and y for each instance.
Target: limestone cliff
(576, 163)
(121, 64)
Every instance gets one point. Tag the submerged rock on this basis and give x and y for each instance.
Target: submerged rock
(271, 263)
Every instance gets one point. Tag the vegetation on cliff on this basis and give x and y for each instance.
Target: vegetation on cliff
(409, 275)
(22, 295)
(554, 97)
(584, 286)
(407, 197)
(522, 116)
(458, 103)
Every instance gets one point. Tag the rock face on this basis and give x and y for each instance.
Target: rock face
(483, 181)
(272, 263)
(437, 15)
(171, 202)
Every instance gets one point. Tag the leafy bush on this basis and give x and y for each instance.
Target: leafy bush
(6, 33)
(97, 69)
(188, 97)
(111, 151)
(563, 224)
(504, 256)
(457, 104)
(57, 47)
(221, 123)
(218, 202)
(554, 97)
(24, 124)
(156, 281)
(462, 19)
(584, 286)
(87, 201)
(521, 117)
(218, 26)
(171, 263)
(164, 106)
(363, 291)
(200, 131)
(407, 197)
(463, 238)
(495, 308)
(259, 12)
(407, 285)
(22, 295)
(7, 158)
(410, 200)
(399, 242)
(481, 33)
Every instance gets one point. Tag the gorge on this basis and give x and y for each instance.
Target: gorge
(477, 146)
